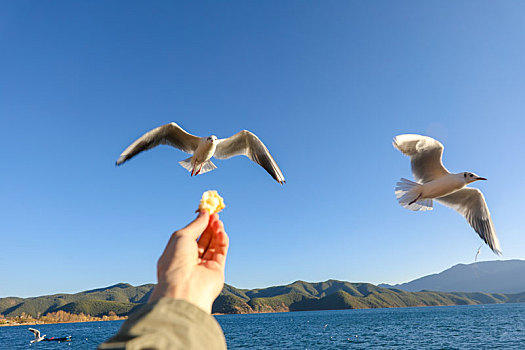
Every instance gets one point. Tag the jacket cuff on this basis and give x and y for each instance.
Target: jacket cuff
(168, 324)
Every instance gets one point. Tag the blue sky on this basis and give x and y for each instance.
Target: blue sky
(326, 85)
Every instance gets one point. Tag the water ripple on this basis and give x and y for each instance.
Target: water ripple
(440, 328)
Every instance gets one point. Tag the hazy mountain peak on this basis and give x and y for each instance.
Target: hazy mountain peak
(500, 276)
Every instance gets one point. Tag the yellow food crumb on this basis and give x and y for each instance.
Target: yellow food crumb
(211, 202)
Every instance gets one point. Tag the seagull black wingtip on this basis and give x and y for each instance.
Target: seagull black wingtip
(119, 162)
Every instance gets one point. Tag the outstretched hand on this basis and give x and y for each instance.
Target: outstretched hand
(192, 268)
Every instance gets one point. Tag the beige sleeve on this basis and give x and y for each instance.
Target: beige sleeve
(168, 324)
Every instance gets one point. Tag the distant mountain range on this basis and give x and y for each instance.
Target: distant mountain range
(123, 298)
(120, 298)
(503, 276)
(338, 295)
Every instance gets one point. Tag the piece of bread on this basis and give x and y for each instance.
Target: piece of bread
(211, 202)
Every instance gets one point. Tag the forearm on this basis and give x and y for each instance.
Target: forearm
(168, 324)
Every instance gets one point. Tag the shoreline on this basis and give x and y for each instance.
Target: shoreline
(122, 318)
(364, 308)
(59, 322)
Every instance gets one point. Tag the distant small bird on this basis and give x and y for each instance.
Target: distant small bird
(203, 148)
(38, 338)
(435, 182)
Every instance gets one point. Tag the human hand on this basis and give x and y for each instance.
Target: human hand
(190, 269)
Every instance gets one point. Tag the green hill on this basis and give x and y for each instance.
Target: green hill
(123, 298)
(121, 293)
(335, 295)
(98, 308)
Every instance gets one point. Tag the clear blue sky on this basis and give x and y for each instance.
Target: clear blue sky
(326, 85)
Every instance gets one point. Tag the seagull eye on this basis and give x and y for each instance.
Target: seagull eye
(471, 175)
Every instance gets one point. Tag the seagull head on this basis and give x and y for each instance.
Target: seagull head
(471, 177)
(211, 139)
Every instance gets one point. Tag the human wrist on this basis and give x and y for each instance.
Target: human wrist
(178, 292)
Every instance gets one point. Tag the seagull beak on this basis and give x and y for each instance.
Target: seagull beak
(481, 178)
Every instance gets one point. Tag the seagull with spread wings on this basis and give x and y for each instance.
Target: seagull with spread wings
(434, 181)
(38, 338)
(203, 148)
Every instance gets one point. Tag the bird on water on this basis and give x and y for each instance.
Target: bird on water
(38, 337)
(434, 181)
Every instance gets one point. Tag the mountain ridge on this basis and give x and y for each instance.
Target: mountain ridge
(497, 276)
(297, 296)
(123, 298)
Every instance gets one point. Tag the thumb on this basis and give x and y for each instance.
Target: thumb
(197, 226)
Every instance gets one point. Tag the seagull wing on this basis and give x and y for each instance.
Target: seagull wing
(36, 332)
(470, 203)
(169, 134)
(247, 144)
(425, 156)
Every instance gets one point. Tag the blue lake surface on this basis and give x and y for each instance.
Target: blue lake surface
(447, 327)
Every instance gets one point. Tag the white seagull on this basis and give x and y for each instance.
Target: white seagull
(435, 182)
(203, 148)
(38, 338)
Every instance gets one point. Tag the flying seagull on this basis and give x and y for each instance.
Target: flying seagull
(434, 181)
(38, 338)
(203, 148)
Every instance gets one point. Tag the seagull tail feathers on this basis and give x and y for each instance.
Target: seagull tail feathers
(186, 164)
(205, 167)
(407, 194)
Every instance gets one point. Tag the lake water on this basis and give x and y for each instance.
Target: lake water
(447, 327)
